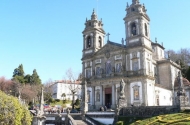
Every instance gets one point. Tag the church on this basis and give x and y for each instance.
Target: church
(150, 78)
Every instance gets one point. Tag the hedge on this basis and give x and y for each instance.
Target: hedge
(12, 112)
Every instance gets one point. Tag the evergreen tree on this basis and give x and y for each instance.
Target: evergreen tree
(35, 79)
(19, 71)
(18, 74)
(27, 78)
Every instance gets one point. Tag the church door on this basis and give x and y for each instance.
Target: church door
(108, 97)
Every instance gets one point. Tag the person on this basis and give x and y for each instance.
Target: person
(102, 108)
(105, 108)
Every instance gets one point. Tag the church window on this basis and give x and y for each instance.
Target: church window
(135, 65)
(89, 23)
(118, 67)
(136, 92)
(98, 71)
(108, 68)
(88, 73)
(133, 29)
(88, 43)
(98, 96)
(146, 31)
(100, 42)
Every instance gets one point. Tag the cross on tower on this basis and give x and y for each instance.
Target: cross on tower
(107, 36)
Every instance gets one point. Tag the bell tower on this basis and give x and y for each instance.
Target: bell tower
(137, 26)
(93, 35)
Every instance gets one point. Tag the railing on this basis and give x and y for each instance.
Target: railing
(124, 73)
(91, 121)
(71, 120)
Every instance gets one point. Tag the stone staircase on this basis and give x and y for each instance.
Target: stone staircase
(78, 120)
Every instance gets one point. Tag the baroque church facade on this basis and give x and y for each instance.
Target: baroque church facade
(149, 77)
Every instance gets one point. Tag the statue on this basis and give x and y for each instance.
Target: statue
(122, 88)
(113, 69)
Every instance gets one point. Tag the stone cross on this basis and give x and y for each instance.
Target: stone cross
(41, 103)
(108, 36)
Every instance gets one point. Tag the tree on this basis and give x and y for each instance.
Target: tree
(19, 71)
(12, 112)
(64, 96)
(27, 78)
(72, 87)
(188, 73)
(182, 57)
(35, 79)
(6, 85)
(48, 92)
(18, 74)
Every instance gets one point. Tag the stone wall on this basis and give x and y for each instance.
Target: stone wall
(147, 111)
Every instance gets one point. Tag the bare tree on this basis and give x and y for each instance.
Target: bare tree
(6, 85)
(48, 92)
(73, 87)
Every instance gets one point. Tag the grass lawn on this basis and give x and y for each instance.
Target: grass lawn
(169, 119)
(60, 103)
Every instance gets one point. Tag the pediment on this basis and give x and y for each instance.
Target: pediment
(108, 48)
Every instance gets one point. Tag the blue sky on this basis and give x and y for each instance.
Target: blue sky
(46, 35)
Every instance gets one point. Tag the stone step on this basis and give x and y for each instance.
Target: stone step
(80, 122)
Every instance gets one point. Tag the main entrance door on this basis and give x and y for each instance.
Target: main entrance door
(108, 97)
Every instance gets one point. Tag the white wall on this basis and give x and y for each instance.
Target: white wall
(150, 93)
(61, 88)
(165, 96)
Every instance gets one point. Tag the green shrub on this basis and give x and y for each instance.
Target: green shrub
(119, 123)
(57, 100)
(12, 112)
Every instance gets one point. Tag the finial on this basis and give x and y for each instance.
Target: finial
(86, 19)
(93, 16)
(135, 1)
(162, 44)
(168, 55)
(156, 40)
(122, 41)
(127, 5)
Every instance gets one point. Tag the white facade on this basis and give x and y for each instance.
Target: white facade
(60, 87)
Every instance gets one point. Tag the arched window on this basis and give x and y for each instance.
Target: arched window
(133, 29)
(145, 27)
(100, 42)
(88, 42)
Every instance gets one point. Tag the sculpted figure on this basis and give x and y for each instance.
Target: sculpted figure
(122, 87)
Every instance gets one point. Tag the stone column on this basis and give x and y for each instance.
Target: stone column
(116, 95)
(93, 96)
(84, 104)
(113, 96)
(103, 96)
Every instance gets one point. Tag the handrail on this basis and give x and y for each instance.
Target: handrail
(92, 121)
(71, 120)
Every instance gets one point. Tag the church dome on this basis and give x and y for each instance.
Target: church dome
(185, 82)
